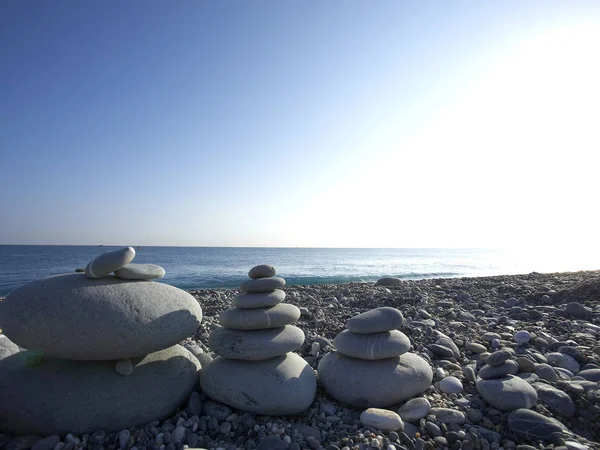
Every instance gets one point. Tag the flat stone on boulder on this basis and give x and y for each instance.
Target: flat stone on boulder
(507, 393)
(56, 396)
(508, 367)
(386, 344)
(262, 271)
(259, 318)
(262, 284)
(108, 262)
(74, 317)
(282, 385)
(376, 320)
(374, 384)
(255, 345)
(134, 271)
(259, 299)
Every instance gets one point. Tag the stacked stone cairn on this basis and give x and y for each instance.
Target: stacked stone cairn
(371, 366)
(255, 370)
(102, 349)
(499, 385)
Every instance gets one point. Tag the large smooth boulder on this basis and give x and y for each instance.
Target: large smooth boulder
(507, 393)
(283, 385)
(379, 383)
(532, 426)
(74, 317)
(255, 345)
(60, 396)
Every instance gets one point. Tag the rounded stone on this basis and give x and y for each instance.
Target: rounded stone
(509, 367)
(386, 344)
(134, 271)
(55, 396)
(415, 409)
(379, 383)
(448, 415)
(262, 271)
(498, 357)
(282, 385)
(7, 347)
(476, 347)
(255, 345)
(590, 374)
(451, 385)
(259, 299)
(376, 320)
(556, 400)
(381, 419)
(108, 262)
(565, 361)
(532, 426)
(388, 281)
(522, 337)
(74, 317)
(262, 284)
(507, 393)
(260, 318)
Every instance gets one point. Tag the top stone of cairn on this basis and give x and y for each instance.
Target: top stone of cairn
(262, 271)
(108, 262)
(376, 320)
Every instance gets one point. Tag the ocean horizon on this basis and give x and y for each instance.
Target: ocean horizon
(226, 267)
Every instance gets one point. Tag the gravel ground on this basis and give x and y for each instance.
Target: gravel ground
(463, 309)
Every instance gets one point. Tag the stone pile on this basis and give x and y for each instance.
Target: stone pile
(102, 350)
(371, 366)
(498, 384)
(255, 370)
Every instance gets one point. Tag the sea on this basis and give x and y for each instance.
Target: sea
(226, 267)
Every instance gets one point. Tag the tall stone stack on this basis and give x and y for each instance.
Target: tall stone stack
(498, 384)
(371, 366)
(255, 370)
(102, 349)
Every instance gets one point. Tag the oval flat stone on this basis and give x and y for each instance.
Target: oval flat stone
(74, 317)
(262, 271)
(498, 357)
(379, 383)
(376, 320)
(108, 262)
(507, 393)
(259, 319)
(388, 281)
(509, 367)
(556, 400)
(282, 385)
(255, 345)
(55, 396)
(415, 409)
(259, 299)
(590, 374)
(134, 271)
(381, 419)
(262, 284)
(386, 344)
(532, 426)
(451, 385)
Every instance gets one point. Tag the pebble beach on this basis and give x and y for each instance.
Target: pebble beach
(547, 326)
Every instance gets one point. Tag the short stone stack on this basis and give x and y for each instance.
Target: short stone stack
(498, 384)
(371, 366)
(102, 350)
(255, 370)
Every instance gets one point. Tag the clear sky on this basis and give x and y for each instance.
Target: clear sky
(300, 123)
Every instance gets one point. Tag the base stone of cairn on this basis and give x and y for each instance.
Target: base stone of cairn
(371, 366)
(255, 370)
(102, 351)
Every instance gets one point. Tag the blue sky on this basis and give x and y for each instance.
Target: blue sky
(334, 124)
